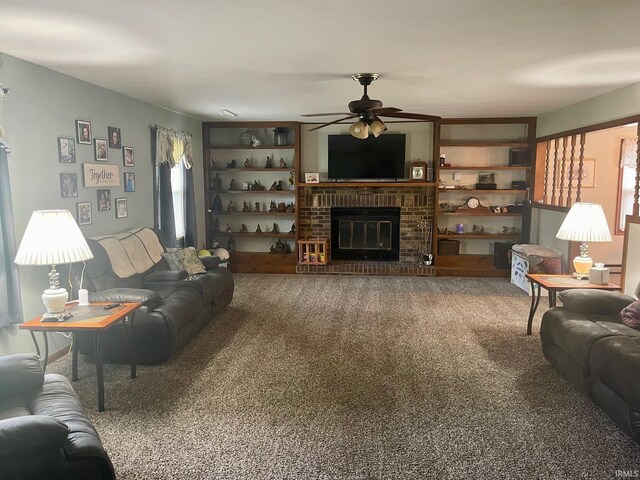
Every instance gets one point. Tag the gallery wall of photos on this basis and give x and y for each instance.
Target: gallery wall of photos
(101, 159)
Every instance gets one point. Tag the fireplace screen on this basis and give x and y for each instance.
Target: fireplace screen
(365, 235)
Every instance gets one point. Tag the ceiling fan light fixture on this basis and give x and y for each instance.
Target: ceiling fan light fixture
(359, 130)
(377, 126)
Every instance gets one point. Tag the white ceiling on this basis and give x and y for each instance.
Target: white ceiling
(277, 59)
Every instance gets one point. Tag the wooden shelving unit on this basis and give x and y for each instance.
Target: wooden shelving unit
(472, 146)
(366, 184)
(222, 143)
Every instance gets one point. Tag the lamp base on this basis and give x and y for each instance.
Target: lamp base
(56, 317)
(582, 265)
(55, 300)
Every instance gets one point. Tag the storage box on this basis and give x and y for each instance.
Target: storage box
(599, 275)
(448, 247)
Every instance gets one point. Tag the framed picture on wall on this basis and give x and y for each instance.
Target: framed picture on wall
(83, 213)
(83, 132)
(100, 147)
(121, 208)
(127, 157)
(114, 137)
(129, 182)
(66, 150)
(104, 200)
(68, 185)
(588, 174)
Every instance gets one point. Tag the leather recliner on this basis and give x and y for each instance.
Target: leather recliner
(44, 432)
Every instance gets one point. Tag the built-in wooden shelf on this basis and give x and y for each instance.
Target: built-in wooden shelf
(249, 147)
(262, 192)
(484, 143)
(473, 213)
(287, 214)
(252, 169)
(256, 235)
(478, 236)
(463, 190)
(484, 167)
(366, 184)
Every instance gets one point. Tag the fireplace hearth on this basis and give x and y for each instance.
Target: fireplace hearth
(367, 233)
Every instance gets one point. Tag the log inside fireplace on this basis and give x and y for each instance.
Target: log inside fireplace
(369, 233)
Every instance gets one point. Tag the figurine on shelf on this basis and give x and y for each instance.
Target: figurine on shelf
(283, 164)
(233, 185)
(246, 207)
(269, 162)
(215, 228)
(292, 230)
(477, 229)
(291, 208)
(279, 186)
(258, 229)
(272, 206)
(216, 183)
(256, 186)
(282, 207)
(243, 228)
(280, 247)
(257, 205)
(274, 187)
(276, 228)
(231, 245)
(231, 164)
(216, 205)
(247, 163)
(228, 229)
(230, 207)
(292, 181)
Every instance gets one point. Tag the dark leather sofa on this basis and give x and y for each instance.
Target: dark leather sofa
(128, 266)
(588, 343)
(44, 432)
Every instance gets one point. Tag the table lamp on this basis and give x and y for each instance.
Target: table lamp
(584, 223)
(53, 238)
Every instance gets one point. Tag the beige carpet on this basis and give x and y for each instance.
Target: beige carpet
(328, 377)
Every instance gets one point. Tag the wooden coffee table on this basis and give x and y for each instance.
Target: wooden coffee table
(87, 318)
(554, 284)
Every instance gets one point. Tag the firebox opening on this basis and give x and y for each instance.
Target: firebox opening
(365, 233)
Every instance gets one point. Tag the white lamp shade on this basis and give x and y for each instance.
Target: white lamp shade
(52, 237)
(585, 222)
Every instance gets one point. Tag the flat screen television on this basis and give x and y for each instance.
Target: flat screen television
(373, 158)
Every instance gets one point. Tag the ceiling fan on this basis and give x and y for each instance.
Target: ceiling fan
(368, 112)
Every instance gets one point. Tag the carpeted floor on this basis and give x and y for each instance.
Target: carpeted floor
(329, 377)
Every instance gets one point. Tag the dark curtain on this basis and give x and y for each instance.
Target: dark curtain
(162, 197)
(10, 306)
(191, 229)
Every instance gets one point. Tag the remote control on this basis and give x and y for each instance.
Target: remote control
(113, 305)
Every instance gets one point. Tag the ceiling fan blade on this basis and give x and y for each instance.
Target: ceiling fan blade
(412, 116)
(331, 123)
(383, 110)
(324, 114)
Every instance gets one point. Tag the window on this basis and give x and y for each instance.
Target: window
(178, 185)
(627, 176)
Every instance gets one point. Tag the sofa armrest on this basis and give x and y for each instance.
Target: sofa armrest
(588, 301)
(211, 262)
(20, 374)
(165, 276)
(148, 298)
(31, 432)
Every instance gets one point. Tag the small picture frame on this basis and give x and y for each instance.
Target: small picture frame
(114, 137)
(129, 182)
(104, 200)
(121, 208)
(486, 178)
(68, 185)
(127, 157)
(66, 150)
(418, 172)
(313, 177)
(100, 148)
(83, 213)
(83, 132)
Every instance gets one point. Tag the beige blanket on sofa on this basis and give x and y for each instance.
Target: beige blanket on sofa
(132, 251)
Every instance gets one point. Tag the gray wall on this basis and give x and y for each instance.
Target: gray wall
(43, 106)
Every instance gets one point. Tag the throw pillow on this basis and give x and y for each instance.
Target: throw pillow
(630, 315)
(185, 259)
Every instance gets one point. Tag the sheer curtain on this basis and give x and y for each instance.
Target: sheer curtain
(628, 158)
(174, 190)
(10, 306)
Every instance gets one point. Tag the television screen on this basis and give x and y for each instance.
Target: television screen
(372, 158)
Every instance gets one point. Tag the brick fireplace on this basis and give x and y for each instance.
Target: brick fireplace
(415, 201)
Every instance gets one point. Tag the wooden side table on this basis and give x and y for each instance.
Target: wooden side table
(87, 318)
(554, 284)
